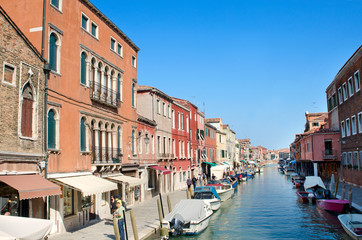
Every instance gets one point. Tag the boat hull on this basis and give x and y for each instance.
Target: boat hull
(225, 194)
(334, 205)
(350, 222)
(197, 227)
(214, 203)
(303, 196)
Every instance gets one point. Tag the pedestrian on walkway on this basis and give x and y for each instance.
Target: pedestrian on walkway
(188, 182)
(194, 181)
(199, 179)
(118, 214)
(113, 204)
(204, 178)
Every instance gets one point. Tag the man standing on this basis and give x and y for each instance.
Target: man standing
(194, 180)
(188, 182)
(118, 214)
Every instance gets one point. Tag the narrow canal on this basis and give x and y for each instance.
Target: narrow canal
(267, 207)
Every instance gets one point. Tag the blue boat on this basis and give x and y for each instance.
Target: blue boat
(209, 195)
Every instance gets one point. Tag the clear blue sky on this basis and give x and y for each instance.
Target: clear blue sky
(259, 65)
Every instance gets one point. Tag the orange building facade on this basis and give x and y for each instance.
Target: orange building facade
(91, 113)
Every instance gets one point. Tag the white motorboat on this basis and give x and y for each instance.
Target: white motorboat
(225, 191)
(189, 217)
(352, 224)
(209, 195)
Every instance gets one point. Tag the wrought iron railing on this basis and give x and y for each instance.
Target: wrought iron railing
(104, 94)
(106, 155)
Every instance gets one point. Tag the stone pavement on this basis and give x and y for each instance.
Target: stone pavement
(146, 215)
(356, 195)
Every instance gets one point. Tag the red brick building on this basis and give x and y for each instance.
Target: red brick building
(348, 101)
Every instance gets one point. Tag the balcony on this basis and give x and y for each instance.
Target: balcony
(329, 154)
(106, 156)
(161, 156)
(104, 94)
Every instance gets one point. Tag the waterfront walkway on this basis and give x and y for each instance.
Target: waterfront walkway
(146, 215)
(356, 195)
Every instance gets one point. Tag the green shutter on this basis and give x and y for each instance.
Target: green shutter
(133, 95)
(82, 135)
(119, 87)
(53, 52)
(51, 130)
(83, 68)
(55, 3)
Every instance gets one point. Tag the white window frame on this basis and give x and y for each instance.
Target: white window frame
(359, 122)
(164, 109)
(350, 159)
(158, 106)
(97, 29)
(344, 159)
(59, 46)
(179, 121)
(350, 87)
(169, 111)
(134, 63)
(353, 125)
(182, 121)
(115, 44)
(355, 153)
(348, 127)
(357, 82)
(81, 20)
(345, 91)
(343, 129)
(340, 95)
(13, 82)
(173, 118)
(119, 53)
(60, 5)
(360, 160)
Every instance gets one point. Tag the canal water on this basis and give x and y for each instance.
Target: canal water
(267, 207)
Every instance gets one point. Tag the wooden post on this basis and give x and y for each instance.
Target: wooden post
(169, 203)
(134, 226)
(343, 191)
(116, 229)
(350, 196)
(159, 210)
(337, 182)
(125, 224)
(163, 214)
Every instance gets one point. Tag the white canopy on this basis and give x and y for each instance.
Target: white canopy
(88, 184)
(313, 181)
(189, 209)
(132, 181)
(12, 228)
(219, 170)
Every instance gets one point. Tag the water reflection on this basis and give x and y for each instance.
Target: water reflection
(267, 207)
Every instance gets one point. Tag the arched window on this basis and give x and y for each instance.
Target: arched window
(83, 68)
(51, 129)
(119, 140)
(83, 147)
(53, 51)
(133, 94)
(119, 87)
(27, 112)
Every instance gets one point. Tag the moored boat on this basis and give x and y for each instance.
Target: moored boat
(225, 191)
(209, 195)
(303, 196)
(334, 205)
(288, 171)
(352, 224)
(189, 217)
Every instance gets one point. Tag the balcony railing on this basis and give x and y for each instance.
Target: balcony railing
(103, 155)
(104, 94)
(166, 155)
(329, 154)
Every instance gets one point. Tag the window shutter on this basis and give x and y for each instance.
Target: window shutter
(82, 135)
(83, 69)
(27, 118)
(53, 52)
(51, 130)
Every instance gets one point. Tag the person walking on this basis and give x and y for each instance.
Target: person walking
(188, 182)
(194, 181)
(113, 204)
(118, 214)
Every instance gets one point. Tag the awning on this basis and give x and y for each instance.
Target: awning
(31, 186)
(88, 184)
(132, 181)
(243, 161)
(211, 164)
(24, 228)
(163, 170)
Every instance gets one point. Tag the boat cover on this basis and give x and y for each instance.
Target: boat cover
(313, 181)
(219, 171)
(12, 227)
(189, 209)
(207, 189)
